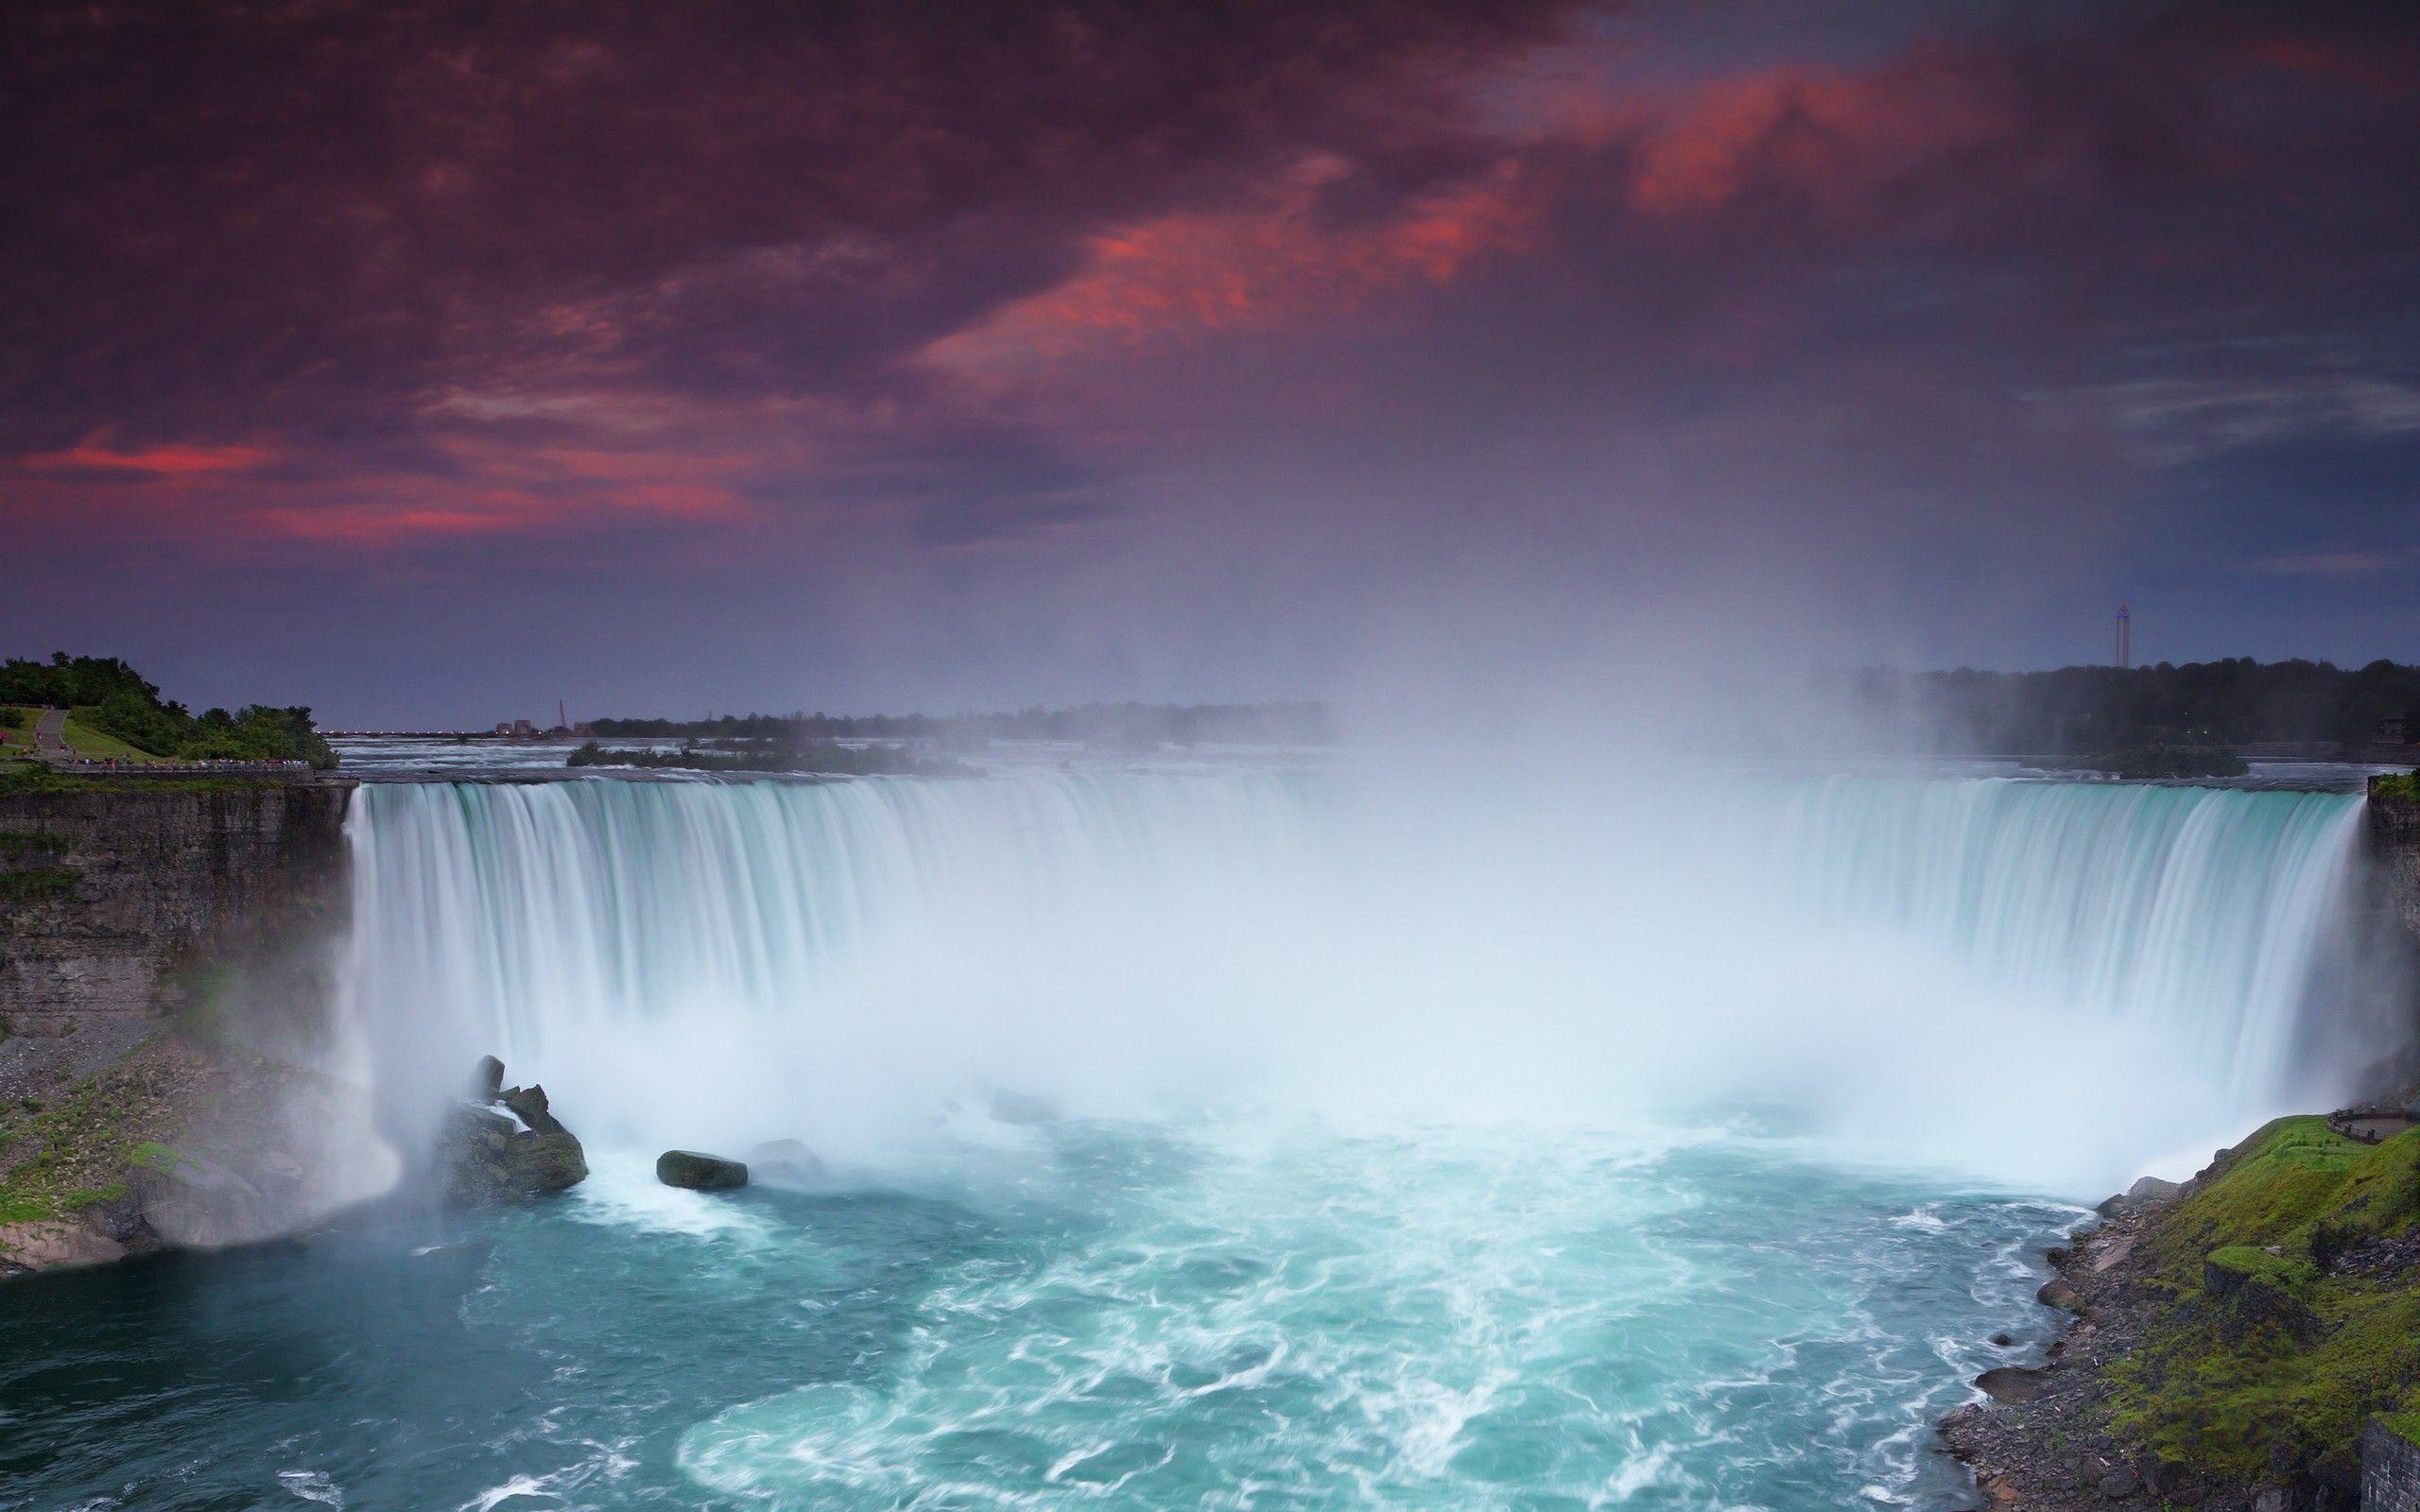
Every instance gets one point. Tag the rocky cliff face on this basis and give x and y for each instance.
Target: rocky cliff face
(166, 961)
(2394, 837)
(114, 899)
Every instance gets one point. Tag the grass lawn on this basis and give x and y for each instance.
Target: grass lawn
(86, 741)
(17, 738)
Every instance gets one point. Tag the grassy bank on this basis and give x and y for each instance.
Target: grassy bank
(2286, 1307)
(87, 739)
(32, 776)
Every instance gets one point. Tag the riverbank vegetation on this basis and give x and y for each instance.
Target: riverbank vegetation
(1119, 727)
(115, 713)
(2076, 710)
(2402, 787)
(2287, 1311)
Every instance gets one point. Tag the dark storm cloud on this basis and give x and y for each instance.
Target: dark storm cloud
(667, 306)
(225, 215)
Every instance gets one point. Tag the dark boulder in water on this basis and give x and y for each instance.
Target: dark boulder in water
(484, 1157)
(487, 1082)
(2011, 1383)
(784, 1162)
(700, 1173)
(529, 1104)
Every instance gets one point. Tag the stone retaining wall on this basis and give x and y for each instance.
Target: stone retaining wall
(2390, 1471)
(2394, 837)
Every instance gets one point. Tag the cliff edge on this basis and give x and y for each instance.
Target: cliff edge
(2394, 840)
(167, 964)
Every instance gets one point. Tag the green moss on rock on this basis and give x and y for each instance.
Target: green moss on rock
(2265, 1357)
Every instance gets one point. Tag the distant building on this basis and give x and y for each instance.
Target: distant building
(516, 726)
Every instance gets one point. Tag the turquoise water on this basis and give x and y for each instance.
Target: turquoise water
(1439, 1266)
(1076, 1315)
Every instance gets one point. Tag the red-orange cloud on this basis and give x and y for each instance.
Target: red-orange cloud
(1280, 260)
(167, 461)
(484, 486)
(1835, 137)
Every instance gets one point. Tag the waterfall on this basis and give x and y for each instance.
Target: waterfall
(1912, 962)
(541, 921)
(2194, 912)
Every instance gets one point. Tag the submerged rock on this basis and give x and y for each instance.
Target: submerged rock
(784, 1162)
(197, 1203)
(697, 1172)
(484, 1156)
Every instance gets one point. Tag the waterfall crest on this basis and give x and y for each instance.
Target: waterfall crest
(1910, 961)
(2197, 913)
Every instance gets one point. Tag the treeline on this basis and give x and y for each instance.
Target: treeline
(1119, 726)
(2078, 709)
(112, 698)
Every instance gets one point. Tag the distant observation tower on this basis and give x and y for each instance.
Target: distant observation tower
(2125, 637)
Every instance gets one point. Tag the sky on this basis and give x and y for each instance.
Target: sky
(429, 363)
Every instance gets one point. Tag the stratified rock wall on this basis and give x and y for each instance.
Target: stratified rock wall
(2390, 1471)
(2394, 836)
(107, 895)
(166, 959)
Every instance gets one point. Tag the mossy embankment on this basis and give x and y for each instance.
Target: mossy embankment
(64, 1156)
(165, 960)
(181, 1142)
(2286, 1314)
(2233, 1342)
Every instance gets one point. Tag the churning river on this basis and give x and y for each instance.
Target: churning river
(1680, 1152)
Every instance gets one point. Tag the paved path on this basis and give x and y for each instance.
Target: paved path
(50, 735)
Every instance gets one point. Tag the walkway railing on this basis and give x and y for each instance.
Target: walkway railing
(103, 764)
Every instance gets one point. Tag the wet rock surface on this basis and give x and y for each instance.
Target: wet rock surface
(2037, 1447)
(699, 1171)
(507, 1148)
(2159, 1340)
(179, 1146)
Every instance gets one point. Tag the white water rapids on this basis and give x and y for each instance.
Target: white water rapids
(1484, 1143)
